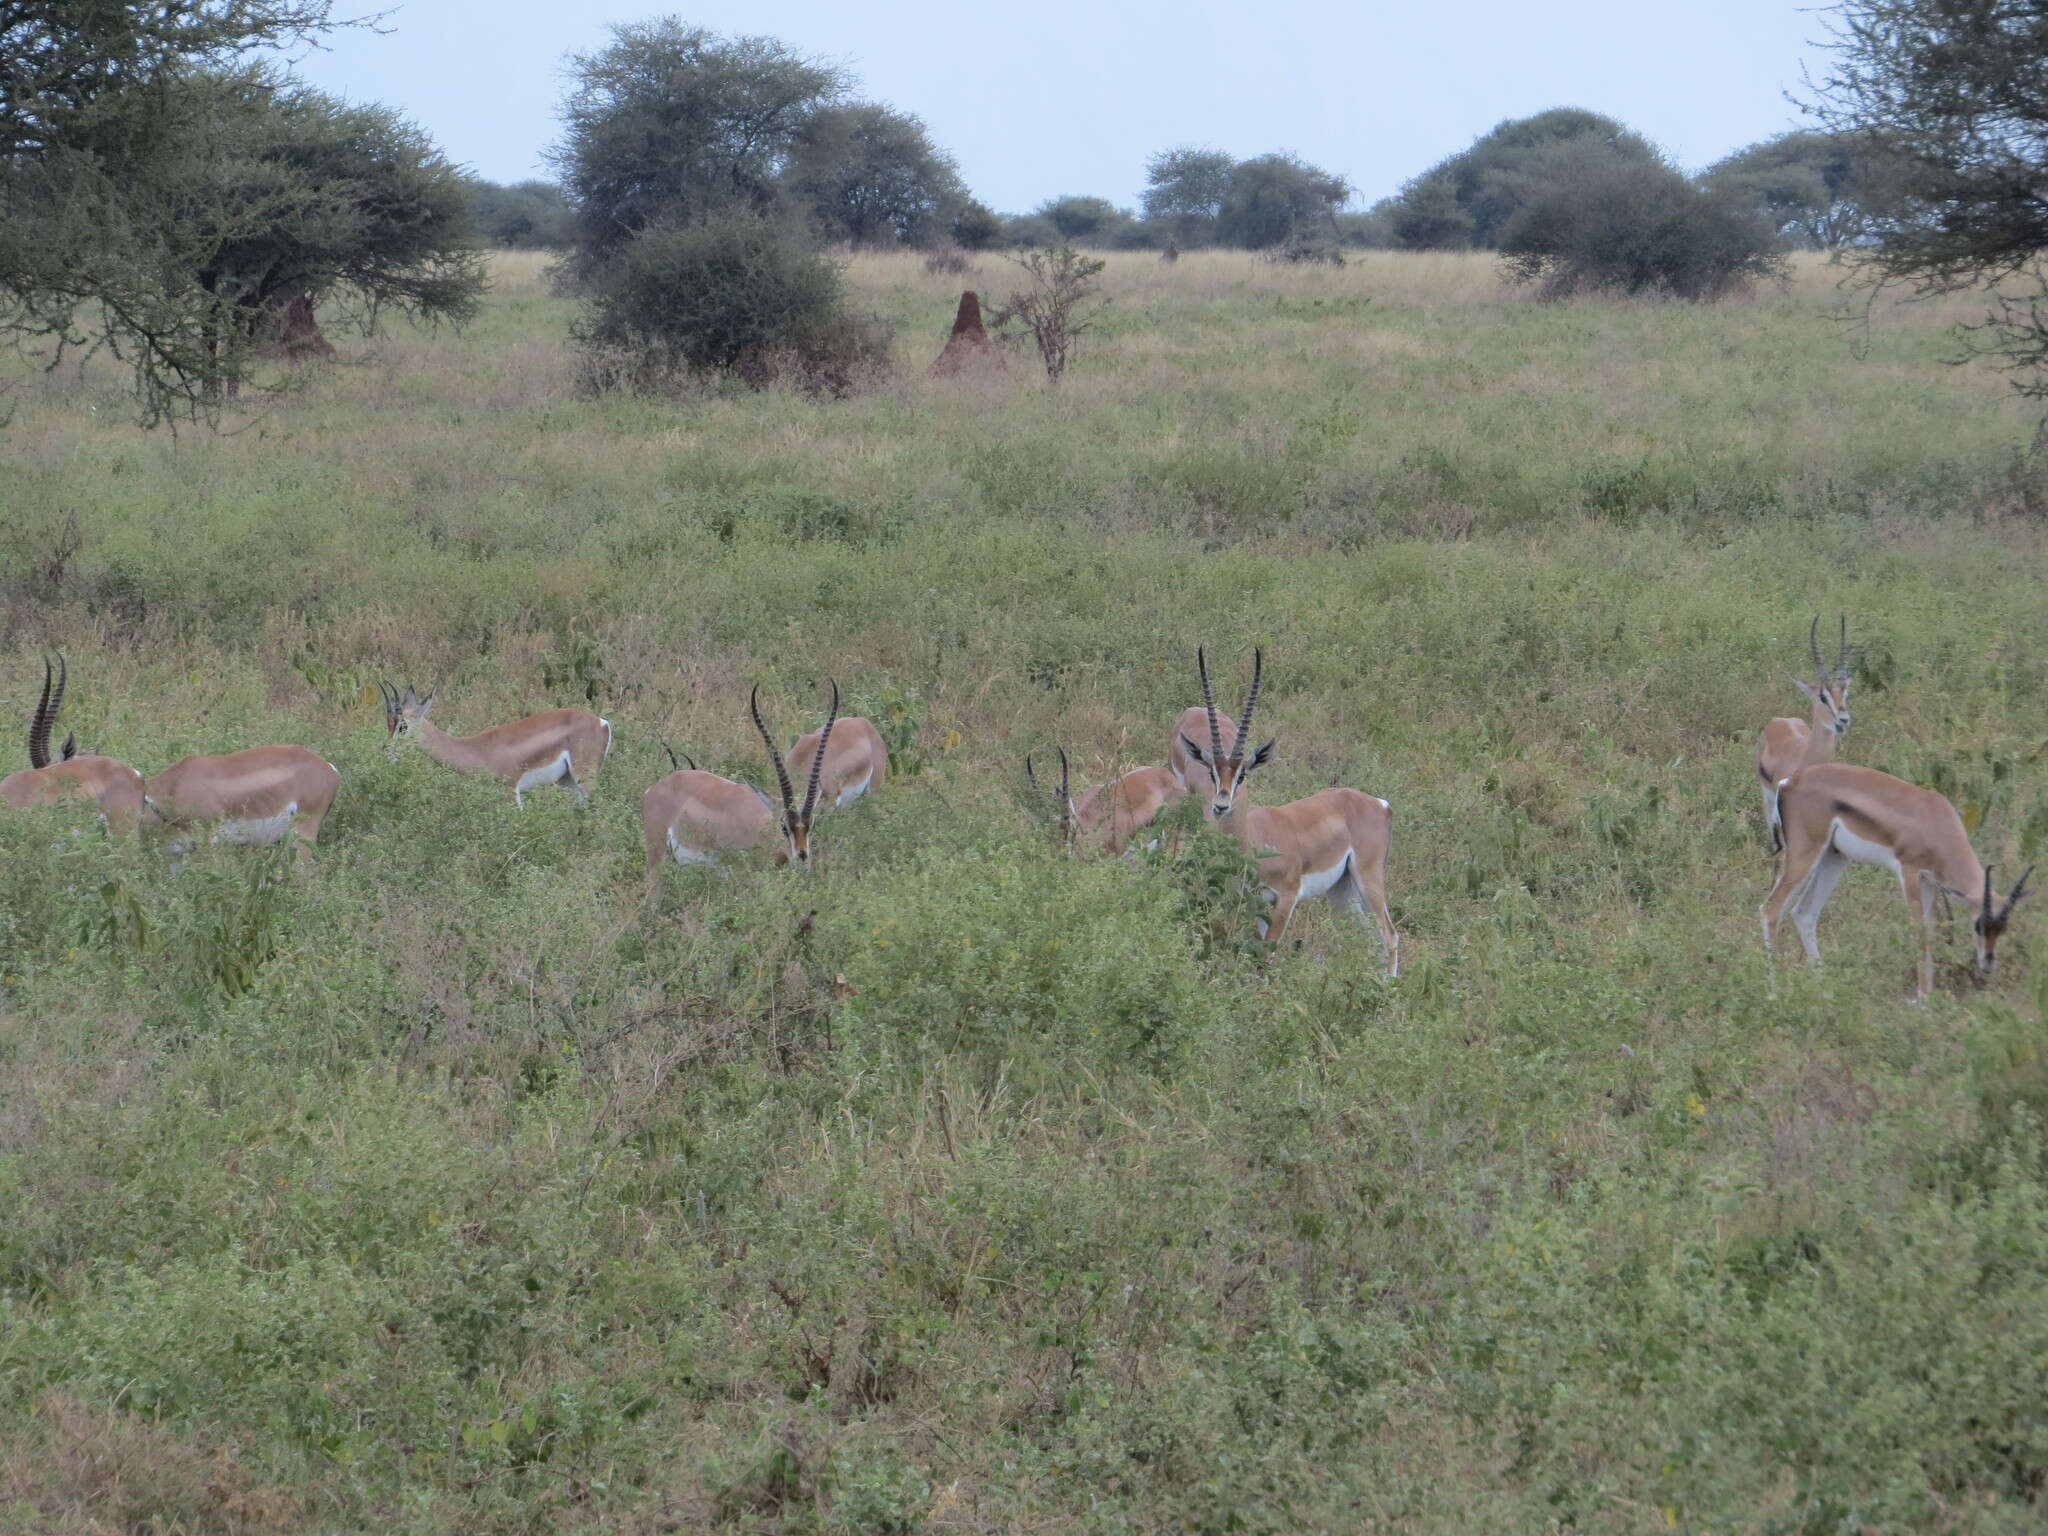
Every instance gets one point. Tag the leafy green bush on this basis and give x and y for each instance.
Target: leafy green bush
(734, 294)
(1604, 224)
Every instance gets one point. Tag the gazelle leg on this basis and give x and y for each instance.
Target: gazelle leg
(1820, 885)
(1276, 925)
(1357, 894)
(1793, 870)
(1925, 899)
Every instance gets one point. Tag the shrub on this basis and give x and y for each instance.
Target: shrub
(949, 259)
(1057, 307)
(1030, 231)
(734, 294)
(976, 227)
(1608, 224)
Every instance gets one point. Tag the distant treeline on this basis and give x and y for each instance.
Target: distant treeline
(865, 174)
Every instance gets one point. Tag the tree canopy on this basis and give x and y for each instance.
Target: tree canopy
(871, 175)
(1952, 98)
(159, 191)
(1823, 190)
(669, 122)
(1468, 199)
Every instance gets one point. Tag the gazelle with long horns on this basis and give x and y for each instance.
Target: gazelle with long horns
(107, 782)
(697, 817)
(1332, 843)
(1837, 814)
(1788, 743)
(557, 746)
(1113, 814)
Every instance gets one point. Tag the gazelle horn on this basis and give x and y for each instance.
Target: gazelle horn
(1251, 704)
(2019, 889)
(1984, 912)
(1066, 795)
(774, 757)
(1842, 651)
(1209, 705)
(44, 717)
(818, 761)
(1813, 644)
(673, 764)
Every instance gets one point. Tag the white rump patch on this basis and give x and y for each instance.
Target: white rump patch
(1385, 805)
(1862, 850)
(852, 792)
(607, 734)
(257, 829)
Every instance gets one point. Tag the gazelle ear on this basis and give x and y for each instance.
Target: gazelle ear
(1806, 688)
(426, 704)
(1263, 756)
(1193, 751)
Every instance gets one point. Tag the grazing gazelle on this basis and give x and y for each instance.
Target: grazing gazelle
(696, 817)
(855, 762)
(558, 746)
(1333, 843)
(1118, 810)
(1837, 814)
(1788, 743)
(109, 783)
(260, 795)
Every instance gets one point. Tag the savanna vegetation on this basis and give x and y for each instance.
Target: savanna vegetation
(961, 1186)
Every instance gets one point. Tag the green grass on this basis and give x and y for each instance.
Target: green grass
(960, 1187)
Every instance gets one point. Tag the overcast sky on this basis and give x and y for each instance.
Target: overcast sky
(1071, 96)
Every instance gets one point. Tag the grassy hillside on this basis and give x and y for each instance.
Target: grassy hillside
(958, 1186)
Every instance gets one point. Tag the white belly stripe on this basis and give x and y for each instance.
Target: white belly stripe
(547, 773)
(684, 855)
(1318, 881)
(1862, 850)
(257, 829)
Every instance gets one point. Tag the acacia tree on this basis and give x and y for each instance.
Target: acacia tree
(870, 175)
(1468, 198)
(111, 130)
(1275, 198)
(670, 123)
(1185, 188)
(1953, 95)
(1824, 190)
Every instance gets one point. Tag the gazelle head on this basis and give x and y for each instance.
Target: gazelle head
(1228, 772)
(1062, 801)
(1992, 918)
(796, 822)
(45, 717)
(1829, 690)
(402, 714)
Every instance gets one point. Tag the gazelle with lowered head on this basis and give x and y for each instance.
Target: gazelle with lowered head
(107, 782)
(1838, 814)
(557, 746)
(856, 762)
(1111, 815)
(1789, 743)
(259, 795)
(1332, 843)
(697, 817)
